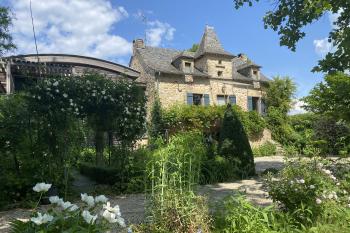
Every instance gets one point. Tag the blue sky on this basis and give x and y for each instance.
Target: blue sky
(106, 29)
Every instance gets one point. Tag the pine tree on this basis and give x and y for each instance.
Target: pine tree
(156, 124)
(234, 144)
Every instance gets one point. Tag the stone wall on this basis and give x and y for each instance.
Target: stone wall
(265, 137)
(173, 89)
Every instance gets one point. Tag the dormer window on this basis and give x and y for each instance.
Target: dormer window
(220, 73)
(188, 67)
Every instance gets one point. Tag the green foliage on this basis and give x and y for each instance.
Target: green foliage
(174, 171)
(208, 119)
(234, 143)
(309, 189)
(6, 41)
(126, 172)
(194, 48)
(290, 17)
(266, 149)
(237, 215)
(279, 101)
(102, 175)
(331, 97)
(43, 130)
(156, 127)
(280, 93)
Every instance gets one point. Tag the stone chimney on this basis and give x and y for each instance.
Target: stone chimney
(243, 57)
(138, 44)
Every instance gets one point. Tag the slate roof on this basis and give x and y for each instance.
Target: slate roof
(162, 59)
(210, 44)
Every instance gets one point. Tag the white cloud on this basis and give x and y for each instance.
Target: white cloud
(297, 107)
(158, 31)
(81, 27)
(323, 46)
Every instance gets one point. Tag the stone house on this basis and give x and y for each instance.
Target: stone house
(209, 76)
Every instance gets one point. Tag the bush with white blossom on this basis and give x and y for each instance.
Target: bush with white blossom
(94, 214)
(309, 188)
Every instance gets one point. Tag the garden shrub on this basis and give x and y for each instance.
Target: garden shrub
(309, 189)
(234, 144)
(266, 149)
(208, 119)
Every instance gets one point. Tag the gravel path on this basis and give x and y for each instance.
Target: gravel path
(133, 205)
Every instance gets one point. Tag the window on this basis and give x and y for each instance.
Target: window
(253, 103)
(232, 99)
(219, 73)
(255, 72)
(220, 62)
(198, 99)
(221, 100)
(187, 68)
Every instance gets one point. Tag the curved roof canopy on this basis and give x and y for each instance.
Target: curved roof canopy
(79, 61)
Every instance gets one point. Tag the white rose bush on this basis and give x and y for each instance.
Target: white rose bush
(311, 188)
(93, 214)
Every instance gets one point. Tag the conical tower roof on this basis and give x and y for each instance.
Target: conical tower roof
(210, 44)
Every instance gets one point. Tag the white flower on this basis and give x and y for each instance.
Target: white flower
(41, 187)
(114, 209)
(39, 97)
(93, 94)
(55, 200)
(330, 196)
(65, 95)
(302, 181)
(101, 199)
(318, 201)
(110, 217)
(338, 184)
(55, 84)
(328, 172)
(312, 186)
(41, 219)
(291, 182)
(90, 219)
(88, 199)
(57, 91)
(103, 92)
(65, 205)
(74, 207)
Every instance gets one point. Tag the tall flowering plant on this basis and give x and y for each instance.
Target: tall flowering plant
(95, 214)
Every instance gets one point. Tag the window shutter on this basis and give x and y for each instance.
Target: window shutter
(232, 99)
(189, 98)
(263, 107)
(206, 100)
(250, 103)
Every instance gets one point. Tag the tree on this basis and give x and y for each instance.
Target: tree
(156, 127)
(6, 41)
(331, 97)
(280, 94)
(279, 97)
(290, 17)
(194, 48)
(234, 143)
